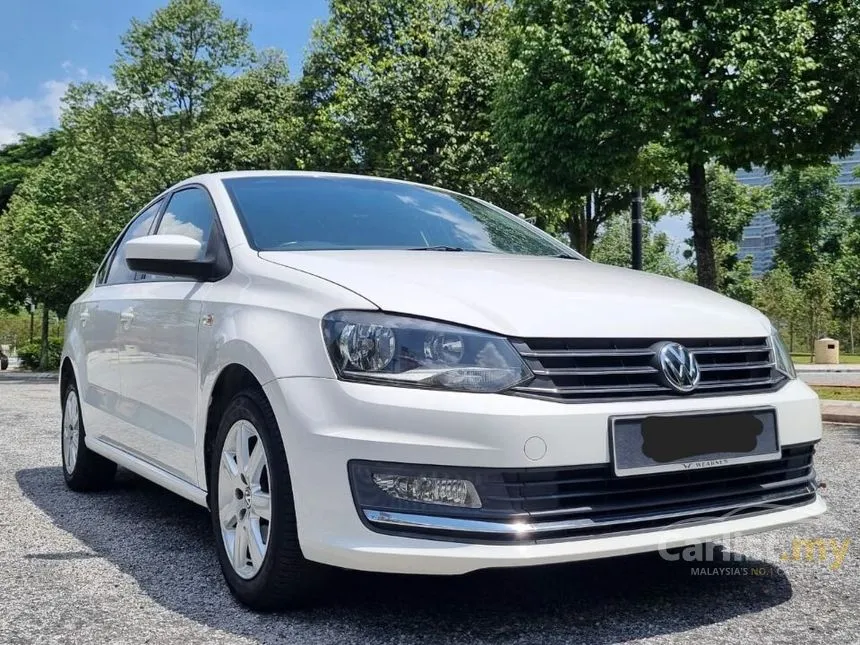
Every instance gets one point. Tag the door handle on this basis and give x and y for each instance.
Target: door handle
(126, 317)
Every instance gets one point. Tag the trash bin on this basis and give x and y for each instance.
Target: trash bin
(827, 351)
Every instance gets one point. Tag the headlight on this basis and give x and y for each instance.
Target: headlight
(398, 350)
(781, 355)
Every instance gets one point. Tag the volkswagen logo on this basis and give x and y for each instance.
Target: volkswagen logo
(678, 367)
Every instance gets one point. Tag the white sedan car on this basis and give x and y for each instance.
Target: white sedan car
(380, 375)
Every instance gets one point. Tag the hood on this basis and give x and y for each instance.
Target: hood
(528, 296)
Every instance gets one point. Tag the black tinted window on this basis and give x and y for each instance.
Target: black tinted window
(314, 213)
(118, 270)
(189, 212)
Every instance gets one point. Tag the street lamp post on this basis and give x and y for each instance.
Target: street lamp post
(31, 307)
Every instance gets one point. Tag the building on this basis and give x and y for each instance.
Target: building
(761, 237)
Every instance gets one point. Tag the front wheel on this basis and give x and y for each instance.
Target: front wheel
(253, 514)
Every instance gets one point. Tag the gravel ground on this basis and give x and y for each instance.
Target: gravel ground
(136, 565)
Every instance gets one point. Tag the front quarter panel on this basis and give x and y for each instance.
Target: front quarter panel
(266, 318)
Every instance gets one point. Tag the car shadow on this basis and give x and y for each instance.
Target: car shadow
(165, 543)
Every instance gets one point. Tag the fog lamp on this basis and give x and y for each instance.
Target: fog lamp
(429, 490)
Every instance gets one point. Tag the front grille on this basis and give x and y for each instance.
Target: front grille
(577, 370)
(537, 504)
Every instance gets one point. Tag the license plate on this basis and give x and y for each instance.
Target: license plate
(672, 442)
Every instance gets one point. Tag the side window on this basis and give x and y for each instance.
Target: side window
(117, 269)
(190, 212)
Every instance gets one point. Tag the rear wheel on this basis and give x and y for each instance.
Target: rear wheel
(83, 469)
(253, 514)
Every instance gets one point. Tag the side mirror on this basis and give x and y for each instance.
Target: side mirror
(172, 255)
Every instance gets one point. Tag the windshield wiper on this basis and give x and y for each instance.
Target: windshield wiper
(566, 256)
(440, 247)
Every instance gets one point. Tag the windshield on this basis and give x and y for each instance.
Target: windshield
(295, 213)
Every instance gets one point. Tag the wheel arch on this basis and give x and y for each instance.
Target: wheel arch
(234, 366)
(67, 375)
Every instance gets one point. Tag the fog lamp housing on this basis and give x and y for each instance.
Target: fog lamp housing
(429, 490)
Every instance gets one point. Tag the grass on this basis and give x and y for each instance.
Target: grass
(837, 393)
(843, 358)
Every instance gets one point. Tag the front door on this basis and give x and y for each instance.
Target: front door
(98, 320)
(158, 352)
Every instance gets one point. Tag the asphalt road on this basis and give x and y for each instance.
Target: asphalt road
(136, 565)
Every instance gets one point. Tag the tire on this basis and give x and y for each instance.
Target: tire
(83, 469)
(269, 573)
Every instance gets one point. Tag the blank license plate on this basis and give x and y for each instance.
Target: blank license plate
(665, 443)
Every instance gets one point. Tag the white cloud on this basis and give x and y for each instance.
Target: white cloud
(75, 25)
(31, 115)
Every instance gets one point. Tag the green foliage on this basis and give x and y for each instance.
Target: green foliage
(14, 328)
(17, 160)
(591, 83)
(404, 89)
(732, 206)
(251, 121)
(120, 146)
(817, 304)
(614, 247)
(780, 300)
(738, 281)
(30, 354)
(810, 209)
(847, 281)
(171, 62)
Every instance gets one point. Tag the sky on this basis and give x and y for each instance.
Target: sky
(46, 44)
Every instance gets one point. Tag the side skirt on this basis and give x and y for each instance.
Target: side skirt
(148, 471)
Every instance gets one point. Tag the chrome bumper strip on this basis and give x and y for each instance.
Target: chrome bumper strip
(524, 528)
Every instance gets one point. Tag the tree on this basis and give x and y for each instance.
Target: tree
(779, 299)
(120, 146)
(732, 206)
(40, 263)
(251, 121)
(614, 244)
(810, 209)
(847, 280)
(817, 301)
(405, 89)
(17, 160)
(591, 83)
(738, 282)
(168, 65)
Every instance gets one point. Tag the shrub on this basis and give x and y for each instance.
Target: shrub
(31, 352)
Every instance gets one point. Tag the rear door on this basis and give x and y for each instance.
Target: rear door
(99, 321)
(158, 355)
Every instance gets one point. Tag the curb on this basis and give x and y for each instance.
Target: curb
(852, 419)
(20, 377)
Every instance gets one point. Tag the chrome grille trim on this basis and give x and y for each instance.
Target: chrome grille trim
(524, 530)
(576, 370)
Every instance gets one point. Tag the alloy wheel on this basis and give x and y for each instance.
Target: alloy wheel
(244, 499)
(71, 430)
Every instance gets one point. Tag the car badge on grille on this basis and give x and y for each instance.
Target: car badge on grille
(678, 367)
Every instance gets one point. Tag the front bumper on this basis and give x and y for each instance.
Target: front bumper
(327, 423)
